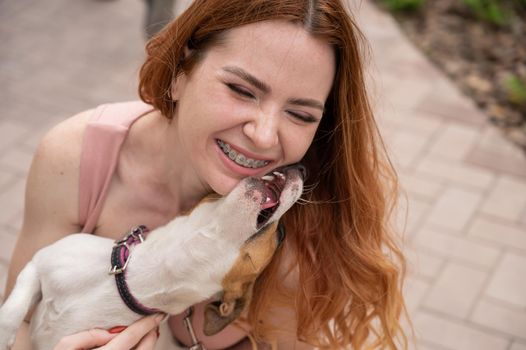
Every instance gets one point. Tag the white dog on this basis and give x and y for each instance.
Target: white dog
(217, 250)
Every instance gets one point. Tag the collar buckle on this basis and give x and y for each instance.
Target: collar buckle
(134, 236)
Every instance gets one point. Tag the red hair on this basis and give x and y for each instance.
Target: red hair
(348, 267)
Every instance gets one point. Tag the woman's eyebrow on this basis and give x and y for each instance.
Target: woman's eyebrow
(249, 78)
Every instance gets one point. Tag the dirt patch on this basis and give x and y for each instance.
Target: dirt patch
(486, 60)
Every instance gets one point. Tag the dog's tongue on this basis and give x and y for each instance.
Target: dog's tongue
(272, 199)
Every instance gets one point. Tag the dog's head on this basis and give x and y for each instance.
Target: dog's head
(266, 199)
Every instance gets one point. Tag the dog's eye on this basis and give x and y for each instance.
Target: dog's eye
(280, 233)
(216, 303)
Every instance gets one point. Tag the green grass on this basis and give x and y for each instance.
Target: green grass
(404, 5)
(516, 89)
(491, 11)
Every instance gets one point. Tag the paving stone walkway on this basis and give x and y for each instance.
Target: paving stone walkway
(465, 186)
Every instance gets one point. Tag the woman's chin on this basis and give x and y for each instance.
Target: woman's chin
(224, 186)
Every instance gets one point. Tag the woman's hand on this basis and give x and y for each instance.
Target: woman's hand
(140, 335)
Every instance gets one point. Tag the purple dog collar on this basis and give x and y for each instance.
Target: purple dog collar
(119, 261)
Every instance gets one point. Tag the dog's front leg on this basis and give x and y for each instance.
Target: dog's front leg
(25, 294)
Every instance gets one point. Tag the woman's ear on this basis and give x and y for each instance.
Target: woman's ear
(178, 84)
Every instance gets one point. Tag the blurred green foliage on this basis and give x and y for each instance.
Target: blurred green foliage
(496, 12)
(492, 11)
(404, 5)
(516, 88)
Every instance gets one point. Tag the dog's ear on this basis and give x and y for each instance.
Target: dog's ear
(218, 315)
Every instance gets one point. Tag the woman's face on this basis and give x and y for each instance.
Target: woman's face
(252, 103)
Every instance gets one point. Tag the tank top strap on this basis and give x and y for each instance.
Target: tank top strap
(104, 135)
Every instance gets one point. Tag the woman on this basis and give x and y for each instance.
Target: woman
(279, 81)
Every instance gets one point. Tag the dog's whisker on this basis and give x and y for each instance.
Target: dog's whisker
(303, 201)
(309, 188)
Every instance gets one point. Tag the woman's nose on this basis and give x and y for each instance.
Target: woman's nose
(263, 130)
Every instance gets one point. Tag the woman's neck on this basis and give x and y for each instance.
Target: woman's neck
(153, 152)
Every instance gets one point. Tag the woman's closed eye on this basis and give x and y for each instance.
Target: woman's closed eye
(240, 90)
(306, 118)
(246, 93)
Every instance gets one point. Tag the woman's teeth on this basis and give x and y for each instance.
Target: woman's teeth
(240, 158)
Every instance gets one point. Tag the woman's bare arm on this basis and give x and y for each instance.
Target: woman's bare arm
(51, 199)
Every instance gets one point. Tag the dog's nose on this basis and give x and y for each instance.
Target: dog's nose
(300, 167)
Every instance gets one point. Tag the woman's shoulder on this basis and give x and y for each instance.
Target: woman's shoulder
(54, 173)
(73, 125)
(60, 147)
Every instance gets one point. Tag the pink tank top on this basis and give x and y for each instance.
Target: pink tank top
(105, 133)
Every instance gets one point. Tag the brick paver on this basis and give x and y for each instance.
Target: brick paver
(466, 193)
(465, 184)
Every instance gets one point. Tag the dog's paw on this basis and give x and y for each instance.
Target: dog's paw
(7, 340)
(7, 335)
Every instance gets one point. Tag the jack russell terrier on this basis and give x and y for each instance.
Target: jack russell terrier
(216, 251)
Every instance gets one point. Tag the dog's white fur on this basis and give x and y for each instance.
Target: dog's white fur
(179, 265)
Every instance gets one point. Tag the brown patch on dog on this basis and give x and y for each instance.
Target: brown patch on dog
(255, 254)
